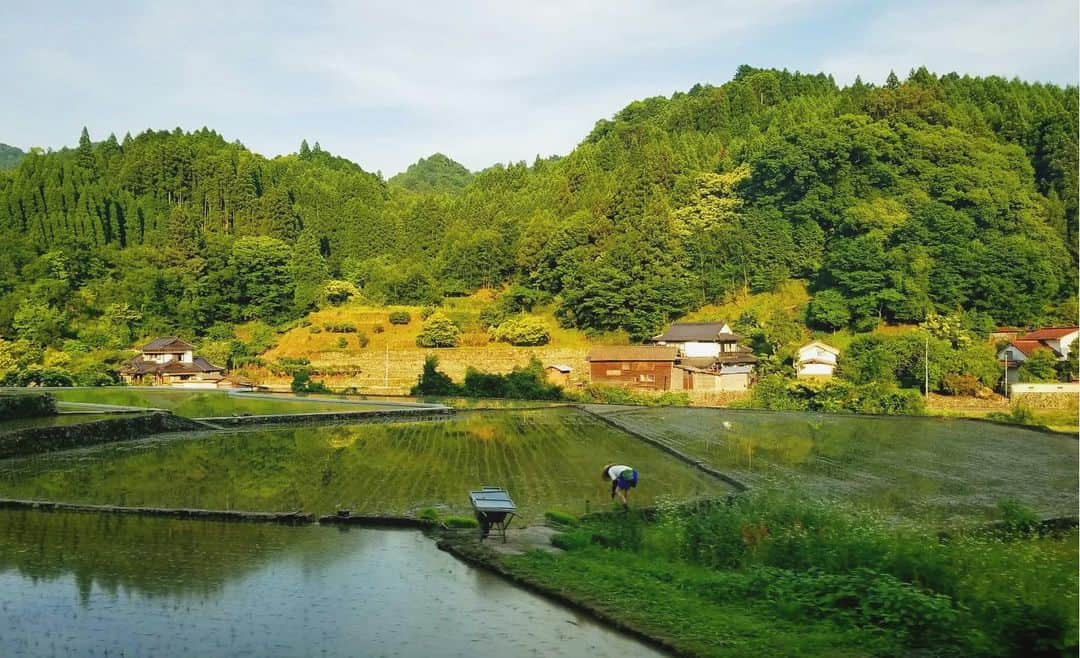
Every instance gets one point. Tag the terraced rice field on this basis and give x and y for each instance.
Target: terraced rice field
(934, 468)
(209, 403)
(548, 459)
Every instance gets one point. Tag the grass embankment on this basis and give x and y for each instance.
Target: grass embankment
(771, 575)
(206, 404)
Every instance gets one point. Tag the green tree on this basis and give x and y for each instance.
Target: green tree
(1041, 366)
(438, 331)
(264, 285)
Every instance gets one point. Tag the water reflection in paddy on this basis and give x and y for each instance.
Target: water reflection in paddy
(84, 584)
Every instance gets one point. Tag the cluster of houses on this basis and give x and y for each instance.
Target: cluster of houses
(696, 356)
(704, 357)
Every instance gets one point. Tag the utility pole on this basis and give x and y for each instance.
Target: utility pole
(926, 368)
(386, 368)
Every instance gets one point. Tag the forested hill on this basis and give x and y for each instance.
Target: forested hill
(9, 156)
(932, 194)
(436, 173)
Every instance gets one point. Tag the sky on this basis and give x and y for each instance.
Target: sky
(386, 83)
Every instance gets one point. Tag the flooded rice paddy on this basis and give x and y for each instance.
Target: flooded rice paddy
(548, 459)
(939, 469)
(108, 585)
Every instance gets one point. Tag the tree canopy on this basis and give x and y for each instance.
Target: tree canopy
(920, 197)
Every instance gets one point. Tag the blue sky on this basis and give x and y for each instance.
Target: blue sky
(385, 83)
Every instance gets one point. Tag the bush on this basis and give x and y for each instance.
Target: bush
(340, 327)
(777, 393)
(605, 394)
(432, 381)
(315, 329)
(361, 339)
(461, 522)
(302, 383)
(378, 328)
(522, 331)
(960, 385)
(555, 517)
(339, 292)
(400, 317)
(35, 375)
(428, 514)
(342, 342)
(438, 331)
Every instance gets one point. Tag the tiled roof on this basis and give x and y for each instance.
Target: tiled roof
(1028, 347)
(140, 366)
(167, 344)
(697, 331)
(633, 353)
(1050, 333)
(824, 346)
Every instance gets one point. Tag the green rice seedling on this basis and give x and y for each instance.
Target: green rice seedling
(460, 522)
(558, 518)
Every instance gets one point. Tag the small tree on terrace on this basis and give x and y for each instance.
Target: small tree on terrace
(438, 331)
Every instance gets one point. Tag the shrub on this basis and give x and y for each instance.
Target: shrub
(605, 394)
(378, 328)
(400, 317)
(428, 311)
(438, 331)
(342, 342)
(362, 339)
(428, 514)
(461, 522)
(954, 384)
(339, 292)
(522, 331)
(315, 329)
(432, 381)
(340, 327)
(302, 383)
(555, 517)
(35, 375)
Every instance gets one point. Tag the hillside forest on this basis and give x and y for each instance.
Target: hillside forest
(933, 196)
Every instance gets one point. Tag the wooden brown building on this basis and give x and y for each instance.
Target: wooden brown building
(637, 366)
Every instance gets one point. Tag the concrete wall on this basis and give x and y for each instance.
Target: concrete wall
(36, 440)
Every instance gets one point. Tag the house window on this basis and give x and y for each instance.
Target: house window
(613, 373)
(646, 379)
(1009, 355)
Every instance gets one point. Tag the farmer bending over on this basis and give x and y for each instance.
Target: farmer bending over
(623, 479)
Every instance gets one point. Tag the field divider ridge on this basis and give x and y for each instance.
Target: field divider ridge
(666, 447)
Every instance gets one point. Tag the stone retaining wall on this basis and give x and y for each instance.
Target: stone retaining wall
(36, 440)
(379, 416)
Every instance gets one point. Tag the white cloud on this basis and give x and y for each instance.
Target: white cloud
(1035, 40)
(385, 83)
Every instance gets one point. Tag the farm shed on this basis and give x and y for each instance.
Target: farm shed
(559, 374)
(637, 366)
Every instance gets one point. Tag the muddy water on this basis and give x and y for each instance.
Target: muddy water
(86, 584)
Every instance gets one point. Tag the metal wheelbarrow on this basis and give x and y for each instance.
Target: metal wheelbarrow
(494, 509)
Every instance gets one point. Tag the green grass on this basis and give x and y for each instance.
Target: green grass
(205, 404)
(547, 459)
(944, 470)
(777, 573)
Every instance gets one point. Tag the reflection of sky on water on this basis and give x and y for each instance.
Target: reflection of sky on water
(70, 586)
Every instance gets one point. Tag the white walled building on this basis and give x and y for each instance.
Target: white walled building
(816, 359)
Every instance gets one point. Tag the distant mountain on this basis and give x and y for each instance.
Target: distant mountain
(10, 156)
(437, 173)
